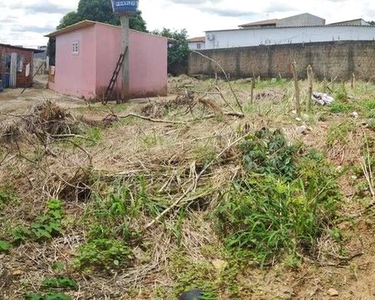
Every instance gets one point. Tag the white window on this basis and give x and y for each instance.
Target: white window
(75, 48)
(199, 46)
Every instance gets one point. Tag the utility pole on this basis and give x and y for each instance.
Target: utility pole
(125, 9)
(125, 92)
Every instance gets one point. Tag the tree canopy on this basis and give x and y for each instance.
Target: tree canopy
(178, 50)
(100, 11)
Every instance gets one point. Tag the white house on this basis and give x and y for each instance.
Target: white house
(304, 28)
(197, 43)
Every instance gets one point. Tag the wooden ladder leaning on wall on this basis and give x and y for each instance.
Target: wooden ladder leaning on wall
(109, 91)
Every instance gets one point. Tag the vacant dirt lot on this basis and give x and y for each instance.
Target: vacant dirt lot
(201, 189)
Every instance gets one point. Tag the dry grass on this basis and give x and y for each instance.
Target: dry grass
(74, 156)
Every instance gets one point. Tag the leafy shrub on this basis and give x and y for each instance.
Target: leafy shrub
(44, 227)
(4, 246)
(6, 196)
(103, 253)
(271, 212)
(268, 152)
(60, 282)
(49, 296)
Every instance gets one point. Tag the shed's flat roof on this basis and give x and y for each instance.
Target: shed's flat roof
(88, 23)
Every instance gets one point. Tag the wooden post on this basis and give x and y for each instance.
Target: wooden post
(252, 91)
(125, 92)
(353, 84)
(296, 87)
(13, 70)
(325, 85)
(310, 78)
(3, 66)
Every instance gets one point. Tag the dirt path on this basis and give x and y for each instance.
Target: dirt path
(13, 102)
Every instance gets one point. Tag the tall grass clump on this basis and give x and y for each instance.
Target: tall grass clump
(282, 204)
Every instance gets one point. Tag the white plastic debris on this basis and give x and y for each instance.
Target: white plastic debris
(303, 129)
(322, 99)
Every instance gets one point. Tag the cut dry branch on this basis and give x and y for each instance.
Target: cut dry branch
(226, 77)
(195, 180)
(149, 119)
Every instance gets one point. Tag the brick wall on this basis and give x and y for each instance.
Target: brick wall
(329, 59)
(22, 80)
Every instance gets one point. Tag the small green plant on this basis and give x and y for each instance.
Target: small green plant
(6, 196)
(4, 246)
(371, 124)
(338, 107)
(338, 133)
(370, 104)
(190, 275)
(268, 152)
(60, 282)
(341, 94)
(58, 266)
(48, 296)
(103, 253)
(44, 227)
(94, 135)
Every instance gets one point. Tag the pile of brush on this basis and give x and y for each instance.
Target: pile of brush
(42, 120)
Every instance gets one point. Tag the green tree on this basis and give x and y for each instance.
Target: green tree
(69, 19)
(178, 50)
(100, 11)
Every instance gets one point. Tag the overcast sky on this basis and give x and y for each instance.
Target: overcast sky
(24, 22)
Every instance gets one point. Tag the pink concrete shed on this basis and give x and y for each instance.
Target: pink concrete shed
(87, 54)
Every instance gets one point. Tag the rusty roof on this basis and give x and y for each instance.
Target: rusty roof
(200, 39)
(21, 48)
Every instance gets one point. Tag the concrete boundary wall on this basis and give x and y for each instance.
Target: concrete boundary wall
(328, 59)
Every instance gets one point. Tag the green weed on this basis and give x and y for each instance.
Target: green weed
(271, 211)
(7, 195)
(103, 253)
(371, 124)
(110, 218)
(4, 246)
(60, 282)
(339, 132)
(58, 266)
(48, 296)
(268, 152)
(338, 107)
(341, 94)
(94, 135)
(370, 104)
(191, 275)
(45, 227)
